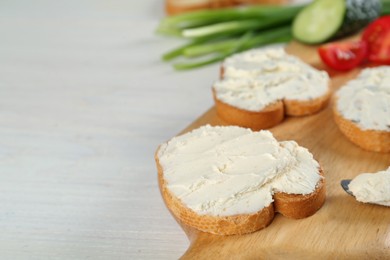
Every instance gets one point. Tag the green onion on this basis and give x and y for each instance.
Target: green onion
(213, 35)
(216, 34)
(206, 17)
(235, 48)
(196, 43)
(197, 50)
(236, 26)
(229, 47)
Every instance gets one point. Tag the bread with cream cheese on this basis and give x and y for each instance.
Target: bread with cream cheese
(231, 180)
(174, 7)
(362, 109)
(258, 88)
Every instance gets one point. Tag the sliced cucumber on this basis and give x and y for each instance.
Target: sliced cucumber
(319, 21)
(327, 19)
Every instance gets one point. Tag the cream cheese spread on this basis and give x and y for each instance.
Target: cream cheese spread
(256, 78)
(224, 171)
(372, 188)
(366, 99)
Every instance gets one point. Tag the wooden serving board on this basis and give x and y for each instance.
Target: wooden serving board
(343, 228)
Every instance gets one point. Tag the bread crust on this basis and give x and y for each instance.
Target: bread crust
(371, 140)
(272, 114)
(268, 117)
(306, 107)
(173, 7)
(299, 206)
(290, 205)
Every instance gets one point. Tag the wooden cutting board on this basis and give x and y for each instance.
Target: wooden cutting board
(343, 228)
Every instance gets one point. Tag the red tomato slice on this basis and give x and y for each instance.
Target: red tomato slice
(377, 36)
(343, 55)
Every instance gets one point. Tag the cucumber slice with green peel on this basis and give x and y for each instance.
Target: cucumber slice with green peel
(323, 20)
(319, 21)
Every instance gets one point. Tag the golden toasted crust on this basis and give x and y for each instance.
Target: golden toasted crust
(173, 7)
(371, 140)
(301, 206)
(290, 205)
(228, 225)
(270, 116)
(308, 107)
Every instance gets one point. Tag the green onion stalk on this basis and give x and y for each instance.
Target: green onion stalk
(213, 35)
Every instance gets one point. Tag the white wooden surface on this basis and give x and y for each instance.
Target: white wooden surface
(84, 102)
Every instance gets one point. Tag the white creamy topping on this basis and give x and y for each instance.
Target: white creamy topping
(366, 99)
(256, 78)
(372, 188)
(231, 170)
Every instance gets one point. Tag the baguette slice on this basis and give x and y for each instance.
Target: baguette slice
(294, 206)
(286, 85)
(268, 117)
(272, 114)
(299, 206)
(371, 140)
(306, 107)
(362, 109)
(173, 7)
(220, 225)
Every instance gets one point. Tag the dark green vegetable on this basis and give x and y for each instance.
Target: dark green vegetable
(215, 34)
(328, 19)
(223, 49)
(359, 14)
(385, 7)
(208, 17)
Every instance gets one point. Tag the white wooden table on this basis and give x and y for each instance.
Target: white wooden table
(84, 102)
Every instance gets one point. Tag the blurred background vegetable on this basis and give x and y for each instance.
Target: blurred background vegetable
(374, 46)
(213, 35)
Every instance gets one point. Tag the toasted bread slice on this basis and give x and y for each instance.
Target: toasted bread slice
(299, 206)
(306, 107)
(220, 225)
(294, 206)
(371, 140)
(255, 80)
(361, 109)
(271, 115)
(268, 117)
